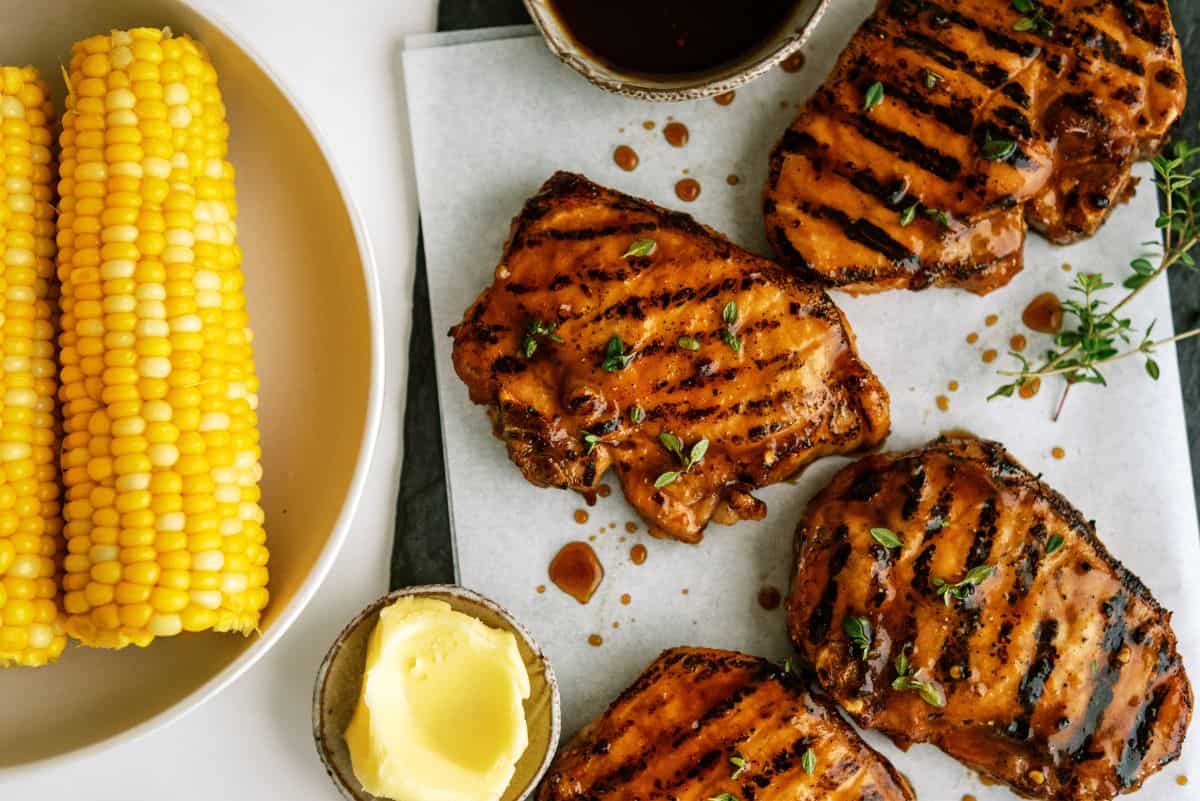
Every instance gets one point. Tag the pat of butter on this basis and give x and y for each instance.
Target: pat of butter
(440, 717)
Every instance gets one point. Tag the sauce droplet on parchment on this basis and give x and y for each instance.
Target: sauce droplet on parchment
(1017, 343)
(648, 125)
(769, 597)
(732, 180)
(676, 134)
(1044, 313)
(952, 386)
(724, 99)
(626, 158)
(687, 190)
(595, 640)
(577, 571)
(638, 554)
(581, 516)
(972, 338)
(793, 63)
(991, 319)
(1030, 388)
(1057, 452)
(630, 526)
(943, 403)
(625, 599)
(990, 355)
(604, 490)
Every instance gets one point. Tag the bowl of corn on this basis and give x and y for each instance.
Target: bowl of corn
(191, 370)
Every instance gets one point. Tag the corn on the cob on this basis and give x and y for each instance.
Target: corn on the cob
(160, 450)
(30, 522)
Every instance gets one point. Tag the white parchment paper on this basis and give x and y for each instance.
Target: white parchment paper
(493, 119)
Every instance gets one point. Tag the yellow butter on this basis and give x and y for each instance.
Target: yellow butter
(440, 717)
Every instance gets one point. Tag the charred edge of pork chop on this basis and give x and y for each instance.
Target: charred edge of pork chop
(736, 705)
(862, 479)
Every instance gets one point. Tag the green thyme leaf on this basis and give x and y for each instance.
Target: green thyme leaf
(996, 149)
(688, 343)
(731, 339)
(671, 443)
(858, 631)
(589, 439)
(535, 329)
(931, 78)
(962, 590)
(1054, 543)
(873, 96)
(1024, 24)
(808, 761)
(641, 247)
(739, 765)
(669, 477)
(637, 414)
(730, 312)
(886, 537)
(908, 215)
(902, 665)
(724, 797)
(937, 214)
(615, 357)
(928, 691)
(698, 451)
(1152, 369)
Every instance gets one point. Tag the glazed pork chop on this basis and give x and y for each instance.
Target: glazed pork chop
(619, 334)
(948, 127)
(946, 595)
(699, 724)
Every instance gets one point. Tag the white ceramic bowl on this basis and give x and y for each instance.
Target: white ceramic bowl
(314, 306)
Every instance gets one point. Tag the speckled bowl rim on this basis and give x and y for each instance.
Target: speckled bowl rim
(644, 88)
(342, 782)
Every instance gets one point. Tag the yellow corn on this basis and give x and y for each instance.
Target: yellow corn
(30, 524)
(160, 452)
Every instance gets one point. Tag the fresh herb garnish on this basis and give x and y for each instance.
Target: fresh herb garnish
(1033, 18)
(688, 343)
(535, 328)
(962, 590)
(641, 247)
(637, 414)
(724, 797)
(739, 765)
(931, 78)
(1054, 543)
(1100, 334)
(997, 149)
(937, 214)
(808, 761)
(591, 440)
(858, 631)
(906, 680)
(729, 314)
(687, 459)
(615, 357)
(873, 96)
(886, 537)
(908, 215)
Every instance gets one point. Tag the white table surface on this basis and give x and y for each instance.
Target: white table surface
(253, 741)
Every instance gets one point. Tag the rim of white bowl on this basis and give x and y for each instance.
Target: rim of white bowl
(366, 452)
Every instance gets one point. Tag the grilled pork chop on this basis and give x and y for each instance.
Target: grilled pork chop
(619, 333)
(699, 723)
(999, 628)
(982, 127)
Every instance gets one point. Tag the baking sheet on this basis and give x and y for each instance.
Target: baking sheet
(493, 119)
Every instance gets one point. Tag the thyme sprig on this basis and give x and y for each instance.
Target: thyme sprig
(1099, 333)
(687, 457)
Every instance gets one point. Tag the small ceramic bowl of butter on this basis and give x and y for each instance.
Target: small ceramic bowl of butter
(435, 692)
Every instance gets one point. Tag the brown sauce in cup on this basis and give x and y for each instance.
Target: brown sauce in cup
(670, 37)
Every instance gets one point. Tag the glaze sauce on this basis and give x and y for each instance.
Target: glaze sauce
(1044, 313)
(687, 189)
(626, 158)
(676, 134)
(769, 597)
(577, 571)
(638, 554)
(670, 37)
